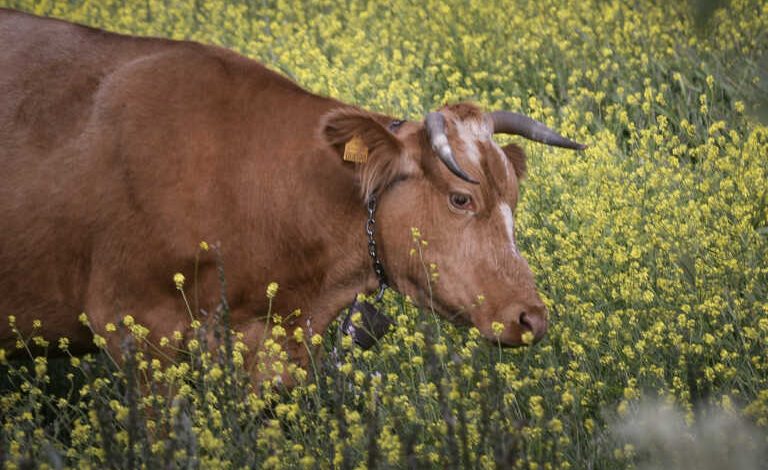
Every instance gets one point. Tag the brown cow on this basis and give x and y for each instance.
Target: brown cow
(120, 154)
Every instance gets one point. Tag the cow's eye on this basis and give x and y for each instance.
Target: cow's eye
(461, 201)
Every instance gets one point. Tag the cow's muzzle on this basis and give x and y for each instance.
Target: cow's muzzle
(519, 319)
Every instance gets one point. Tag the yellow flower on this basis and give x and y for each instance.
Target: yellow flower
(298, 335)
(527, 337)
(278, 331)
(215, 373)
(567, 398)
(535, 404)
(440, 349)
(99, 341)
(204, 246)
(110, 327)
(589, 425)
(497, 328)
(36, 324)
(623, 408)
(272, 290)
(83, 318)
(556, 425)
(317, 340)
(178, 279)
(237, 358)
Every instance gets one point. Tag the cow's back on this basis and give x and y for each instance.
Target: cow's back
(51, 70)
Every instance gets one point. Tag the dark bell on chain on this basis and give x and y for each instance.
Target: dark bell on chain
(372, 325)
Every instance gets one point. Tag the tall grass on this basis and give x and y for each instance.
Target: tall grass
(650, 249)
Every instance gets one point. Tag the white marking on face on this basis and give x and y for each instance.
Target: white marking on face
(509, 224)
(469, 132)
(500, 153)
(479, 129)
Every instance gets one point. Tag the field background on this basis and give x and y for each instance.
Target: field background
(650, 248)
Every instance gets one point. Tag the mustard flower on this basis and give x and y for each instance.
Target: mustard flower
(99, 341)
(535, 404)
(298, 334)
(527, 337)
(178, 279)
(272, 290)
(278, 331)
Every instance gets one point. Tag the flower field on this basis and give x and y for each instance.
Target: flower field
(650, 249)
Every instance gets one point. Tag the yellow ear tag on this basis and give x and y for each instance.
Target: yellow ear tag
(355, 150)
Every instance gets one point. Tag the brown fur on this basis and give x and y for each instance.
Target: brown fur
(120, 154)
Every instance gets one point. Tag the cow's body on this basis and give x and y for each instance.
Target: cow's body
(119, 155)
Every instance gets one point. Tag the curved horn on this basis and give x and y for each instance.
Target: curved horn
(435, 123)
(506, 122)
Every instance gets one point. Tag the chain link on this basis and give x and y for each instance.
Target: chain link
(370, 229)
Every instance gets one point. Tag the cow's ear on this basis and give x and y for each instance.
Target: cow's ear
(516, 157)
(386, 159)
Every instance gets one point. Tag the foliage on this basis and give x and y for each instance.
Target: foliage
(649, 248)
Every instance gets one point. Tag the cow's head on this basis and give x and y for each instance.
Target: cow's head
(447, 177)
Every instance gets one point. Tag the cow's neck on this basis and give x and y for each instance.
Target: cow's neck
(348, 269)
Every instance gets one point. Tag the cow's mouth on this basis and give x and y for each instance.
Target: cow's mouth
(425, 301)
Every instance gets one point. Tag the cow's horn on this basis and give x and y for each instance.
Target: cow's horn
(507, 122)
(435, 123)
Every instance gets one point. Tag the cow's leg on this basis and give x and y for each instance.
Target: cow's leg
(122, 314)
(263, 360)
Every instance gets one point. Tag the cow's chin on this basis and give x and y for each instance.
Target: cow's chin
(505, 344)
(422, 299)
(458, 317)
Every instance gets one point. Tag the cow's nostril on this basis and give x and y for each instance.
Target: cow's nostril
(525, 322)
(534, 322)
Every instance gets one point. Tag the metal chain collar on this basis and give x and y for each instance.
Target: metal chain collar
(370, 230)
(374, 323)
